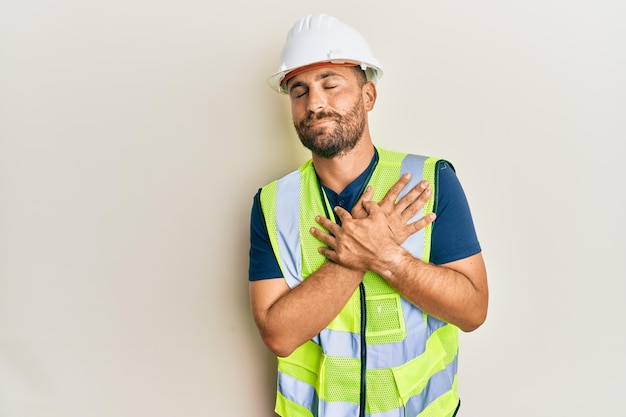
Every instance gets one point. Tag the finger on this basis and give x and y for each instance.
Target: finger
(326, 224)
(323, 237)
(358, 211)
(367, 194)
(343, 214)
(392, 195)
(423, 222)
(413, 195)
(370, 206)
(416, 205)
(328, 253)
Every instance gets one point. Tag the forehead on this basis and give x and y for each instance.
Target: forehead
(322, 72)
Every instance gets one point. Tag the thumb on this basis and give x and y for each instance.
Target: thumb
(370, 206)
(358, 211)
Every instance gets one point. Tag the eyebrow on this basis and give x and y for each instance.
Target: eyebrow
(328, 74)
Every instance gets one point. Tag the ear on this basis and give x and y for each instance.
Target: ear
(369, 95)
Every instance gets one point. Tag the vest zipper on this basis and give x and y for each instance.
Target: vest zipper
(331, 216)
(363, 351)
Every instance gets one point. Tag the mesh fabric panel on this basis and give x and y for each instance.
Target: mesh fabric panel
(342, 382)
(387, 172)
(310, 206)
(382, 394)
(385, 320)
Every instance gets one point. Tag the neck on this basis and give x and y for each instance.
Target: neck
(339, 171)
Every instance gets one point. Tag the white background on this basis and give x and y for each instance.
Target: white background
(133, 135)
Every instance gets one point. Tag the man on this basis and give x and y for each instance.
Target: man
(353, 284)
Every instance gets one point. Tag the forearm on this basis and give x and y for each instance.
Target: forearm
(301, 313)
(456, 292)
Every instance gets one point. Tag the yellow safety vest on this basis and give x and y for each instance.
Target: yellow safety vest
(406, 362)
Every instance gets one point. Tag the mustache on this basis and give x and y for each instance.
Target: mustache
(313, 117)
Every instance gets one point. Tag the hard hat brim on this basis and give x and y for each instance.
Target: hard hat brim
(278, 81)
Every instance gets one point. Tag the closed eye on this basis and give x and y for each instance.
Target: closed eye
(298, 92)
(298, 89)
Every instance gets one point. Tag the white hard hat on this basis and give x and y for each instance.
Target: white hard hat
(321, 38)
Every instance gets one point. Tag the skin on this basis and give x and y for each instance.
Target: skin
(370, 235)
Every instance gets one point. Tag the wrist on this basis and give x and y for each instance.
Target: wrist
(392, 262)
(345, 271)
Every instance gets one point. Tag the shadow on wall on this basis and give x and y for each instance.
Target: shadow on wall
(280, 140)
(262, 365)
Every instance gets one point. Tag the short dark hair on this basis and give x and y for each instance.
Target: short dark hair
(361, 76)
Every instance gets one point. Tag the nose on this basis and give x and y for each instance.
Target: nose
(316, 99)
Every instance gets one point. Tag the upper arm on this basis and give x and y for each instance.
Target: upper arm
(266, 284)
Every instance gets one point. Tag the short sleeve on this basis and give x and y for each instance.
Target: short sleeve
(454, 235)
(262, 261)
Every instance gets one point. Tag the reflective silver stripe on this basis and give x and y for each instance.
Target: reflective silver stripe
(396, 412)
(435, 323)
(340, 343)
(415, 165)
(344, 409)
(288, 227)
(305, 395)
(439, 384)
(388, 355)
(297, 391)
(338, 409)
(391, 355)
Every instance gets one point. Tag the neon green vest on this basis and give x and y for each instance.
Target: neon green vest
(405, 364)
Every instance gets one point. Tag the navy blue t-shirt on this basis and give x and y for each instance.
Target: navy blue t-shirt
(453, 234)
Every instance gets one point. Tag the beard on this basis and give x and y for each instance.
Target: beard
(329, 142)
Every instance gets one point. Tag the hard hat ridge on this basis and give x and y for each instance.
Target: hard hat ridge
(319, 38)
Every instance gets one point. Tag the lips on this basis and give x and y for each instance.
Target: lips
(322, 119)
(320, 122)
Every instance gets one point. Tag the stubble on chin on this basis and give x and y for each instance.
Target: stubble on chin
(335, 139)
(323, 142)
